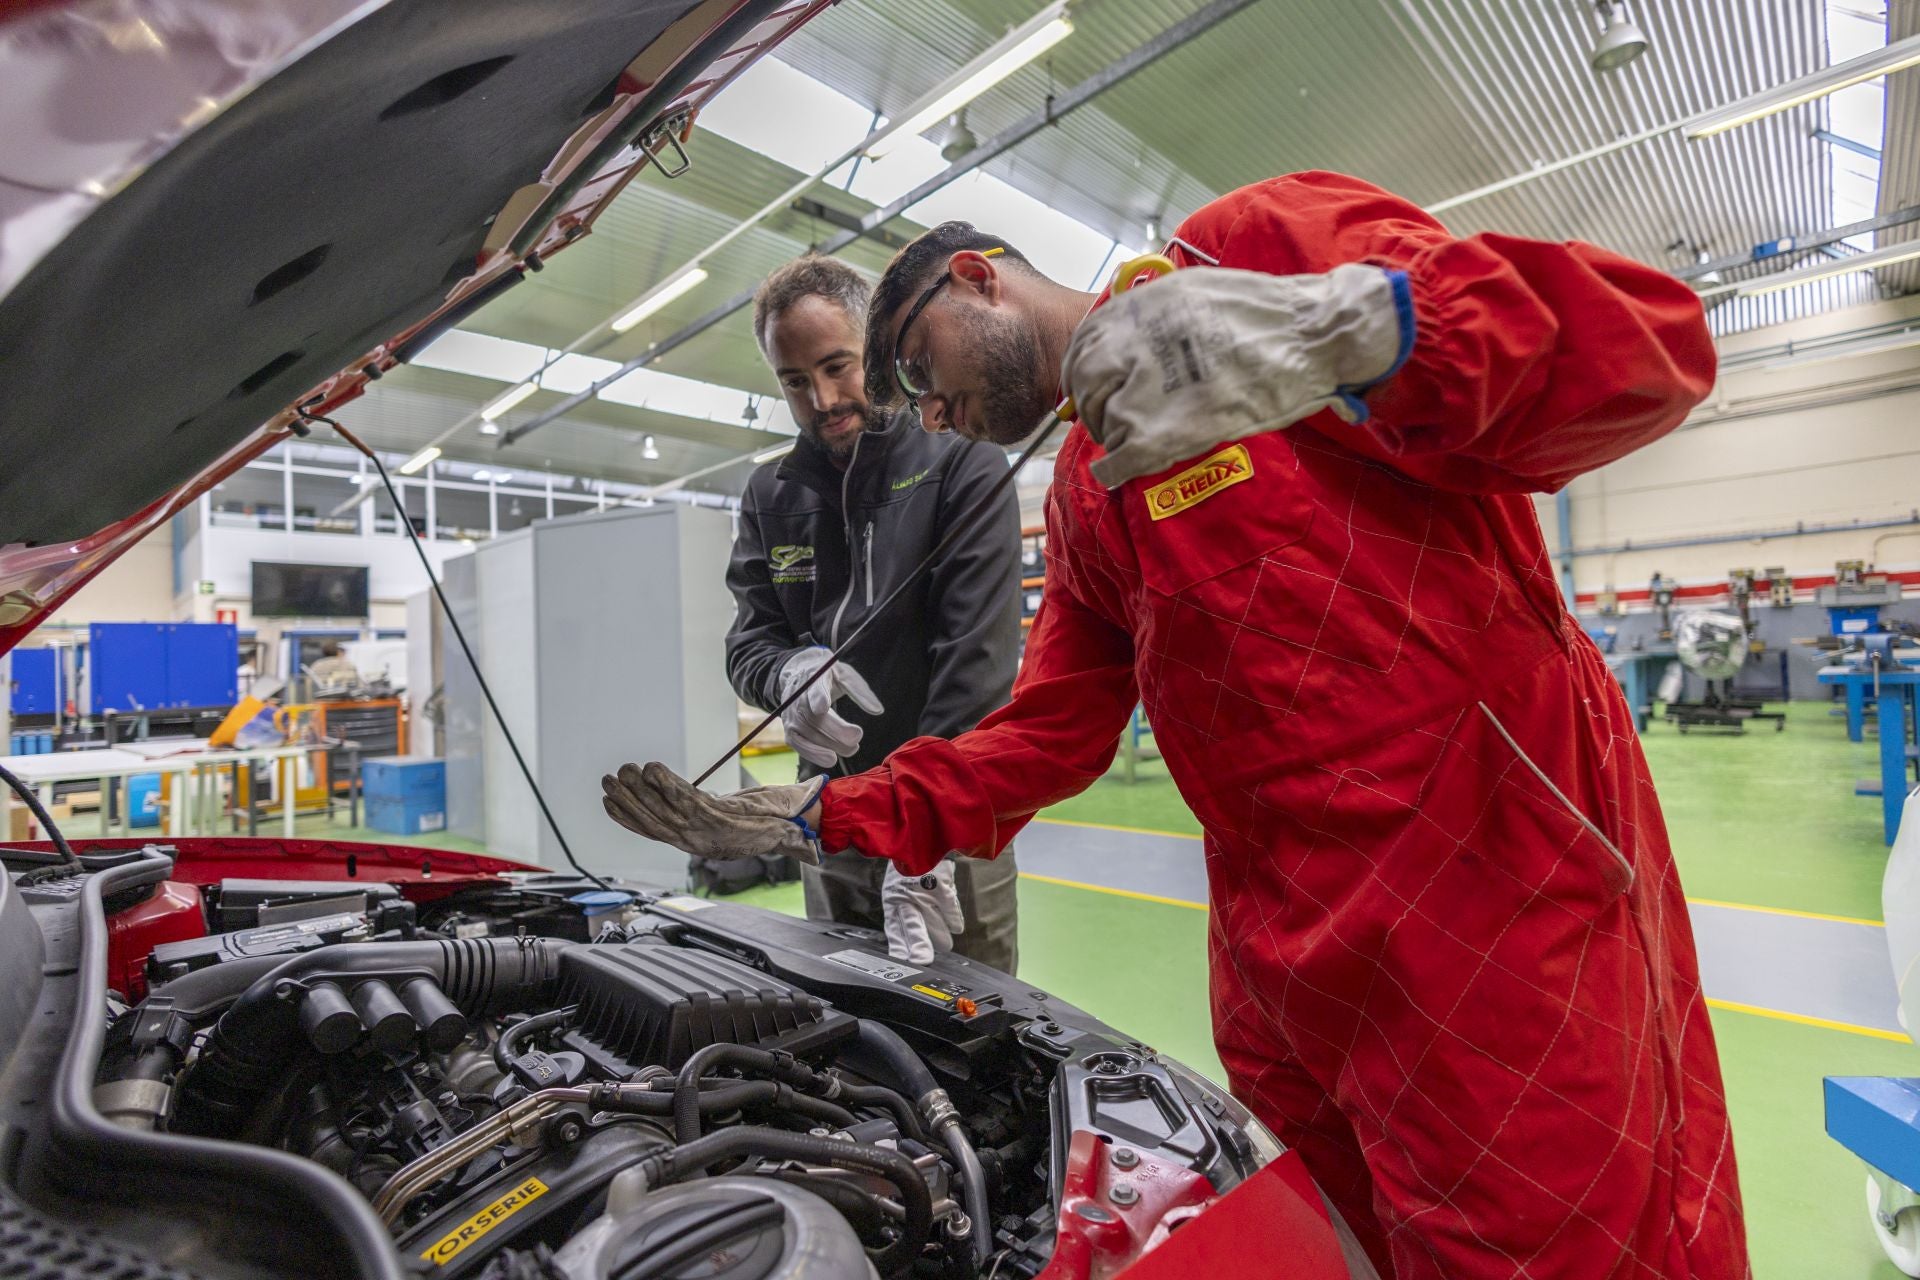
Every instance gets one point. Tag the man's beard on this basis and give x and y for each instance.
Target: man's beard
(1012, 400)
(871, 419)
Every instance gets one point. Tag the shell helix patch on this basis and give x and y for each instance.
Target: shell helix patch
(1200, 481)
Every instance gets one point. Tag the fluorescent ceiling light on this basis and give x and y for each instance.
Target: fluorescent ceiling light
(649, 450)
(673, 287)
(506, 400)
(489, 428)
(501, 477)
(419, 460)
(1809, 88)
(768, 455)
(1828, 270)
(1022, 45)
(1844, 351)
(482, 474)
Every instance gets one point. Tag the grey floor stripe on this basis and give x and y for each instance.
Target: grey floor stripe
(1165, 866)
(1819, 968)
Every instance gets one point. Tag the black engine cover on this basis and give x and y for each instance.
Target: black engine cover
(645, 1003)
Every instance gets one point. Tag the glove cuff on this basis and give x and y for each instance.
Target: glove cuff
(799, 819)
(1383, 340)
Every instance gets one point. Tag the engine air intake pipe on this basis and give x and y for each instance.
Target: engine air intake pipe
(317, 998)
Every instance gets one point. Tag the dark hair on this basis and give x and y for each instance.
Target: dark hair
(910, 272)
(811, 276)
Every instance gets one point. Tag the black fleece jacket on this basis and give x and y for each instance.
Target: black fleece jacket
(819, 548)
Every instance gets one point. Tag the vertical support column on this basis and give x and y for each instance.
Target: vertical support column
(1891, 702)
(286, 486)
(1563, 510)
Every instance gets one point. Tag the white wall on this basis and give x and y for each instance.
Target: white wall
(225, 557)
(1828, 442)
(138, 587)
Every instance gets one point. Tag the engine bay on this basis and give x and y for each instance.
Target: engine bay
(525, 1075)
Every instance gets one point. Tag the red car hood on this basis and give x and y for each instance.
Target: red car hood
(217, 213)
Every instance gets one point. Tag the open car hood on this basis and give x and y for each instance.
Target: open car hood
(215, 216)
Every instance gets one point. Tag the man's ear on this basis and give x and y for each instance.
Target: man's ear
(975, 272)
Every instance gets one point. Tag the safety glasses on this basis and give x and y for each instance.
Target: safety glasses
(912, 376)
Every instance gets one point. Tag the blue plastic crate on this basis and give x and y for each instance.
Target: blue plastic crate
(405, 778)
(143, 800)
(402, 817)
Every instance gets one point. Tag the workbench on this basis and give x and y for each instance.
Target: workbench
(1892, 690)
(195, 787)
(1639, 672)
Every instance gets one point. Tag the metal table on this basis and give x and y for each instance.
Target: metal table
(1892, 690)
(193, 791)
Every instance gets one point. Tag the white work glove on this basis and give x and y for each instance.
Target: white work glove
(814, 729)
(657, 803)
(1165, 371)
(922, 913)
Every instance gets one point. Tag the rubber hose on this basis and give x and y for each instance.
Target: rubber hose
(686, 1090)
(733, 1095)
(973, 1181)
(68, 859)
(909, 1069)
(884, 1043)
(251, 1047)
(889, 1100)
(671, 1166)
(509, 1042)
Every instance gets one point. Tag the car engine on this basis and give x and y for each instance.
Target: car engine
(533, 1077)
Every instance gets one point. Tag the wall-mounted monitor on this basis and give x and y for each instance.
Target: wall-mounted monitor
(309, 590)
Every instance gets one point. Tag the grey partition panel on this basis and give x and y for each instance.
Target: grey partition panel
(603, 636)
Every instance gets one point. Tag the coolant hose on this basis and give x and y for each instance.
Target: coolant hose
(729, 1095)
(259, 1038)
(670, 1166)
(783, 1067)
(508, 1044)
(884, 1043)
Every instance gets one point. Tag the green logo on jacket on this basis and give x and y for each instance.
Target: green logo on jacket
(788, 556)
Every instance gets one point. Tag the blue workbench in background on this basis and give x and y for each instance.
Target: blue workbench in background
(1892, 692)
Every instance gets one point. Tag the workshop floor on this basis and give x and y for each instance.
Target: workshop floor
(1780, 859)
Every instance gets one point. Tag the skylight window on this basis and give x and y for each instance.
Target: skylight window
(787, 115)
(1856, 116)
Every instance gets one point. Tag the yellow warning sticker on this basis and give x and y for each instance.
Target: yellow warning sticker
(448, 1247)
(935, 992)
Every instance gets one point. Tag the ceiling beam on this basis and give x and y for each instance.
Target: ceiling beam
(1795, 244)
(1054, 110)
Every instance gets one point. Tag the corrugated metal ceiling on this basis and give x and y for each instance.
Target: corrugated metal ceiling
(1426, 97)
(1900, 151)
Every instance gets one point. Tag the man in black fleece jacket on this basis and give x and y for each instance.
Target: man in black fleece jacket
(825, 535)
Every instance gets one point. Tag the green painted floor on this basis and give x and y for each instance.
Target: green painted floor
(1764, 819)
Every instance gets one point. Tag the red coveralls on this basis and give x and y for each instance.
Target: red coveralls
(1486, 1038)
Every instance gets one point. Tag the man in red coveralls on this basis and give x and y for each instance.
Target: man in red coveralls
(1451, 963)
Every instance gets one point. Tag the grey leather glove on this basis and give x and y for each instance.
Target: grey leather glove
(1163, 372)
(657, 803)
(921, 913)
(814, 728)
